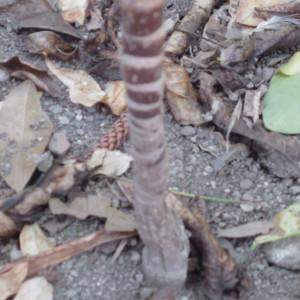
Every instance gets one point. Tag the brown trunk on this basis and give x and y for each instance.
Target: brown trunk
(166, 245)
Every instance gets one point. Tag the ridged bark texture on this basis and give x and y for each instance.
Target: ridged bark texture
(166, 245)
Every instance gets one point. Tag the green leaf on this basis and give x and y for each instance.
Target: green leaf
(285, 224)
(292, 67)
(282, 104)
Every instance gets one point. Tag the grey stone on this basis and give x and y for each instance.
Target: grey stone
(284, 253)
(46, 162)
(109, 248)
(59, 143)
(247, 207)
(146, 293)
(135, 257)
(188, 130)
(56, 109)
(246, 184)
(64, 120)
(295, 189)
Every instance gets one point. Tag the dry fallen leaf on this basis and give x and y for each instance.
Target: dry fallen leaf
(7, 225)
(73, 11)
(246, 230)
(25, 131)
(23, 70)
(115, 97)
(37, 14)
(11, 278)
(109, 163)
(119, 221)
(81, 207)
(49, 43)
(33, 240)
(246, 10)
(96, 21)
(83, 89)
(37, 288)
(181, 96)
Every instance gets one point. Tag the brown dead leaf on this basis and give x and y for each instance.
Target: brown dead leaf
(37, 288)
(23, 70)
(37, 14)
(109, 163)
(83, 89)
(73, 11)
(51, 44)
(115, 97)
(246, 230)
(33, 240)
(96, 21)
(25, 131)
(55, 256)
(81, 207)
(11, 278)
(7, 225)
(248, 10)
(118, 221)
(181, 96)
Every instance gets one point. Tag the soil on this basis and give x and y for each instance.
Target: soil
(94, 275)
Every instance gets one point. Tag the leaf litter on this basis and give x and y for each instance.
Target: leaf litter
(222, 45)
(25, 130)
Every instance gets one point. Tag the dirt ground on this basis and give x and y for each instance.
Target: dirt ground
(94, 275)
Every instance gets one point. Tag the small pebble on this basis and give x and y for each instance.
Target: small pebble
(247, 207)
(246, 184)
(59, 143)
(146, 293)
(188, 131)
(295, 189)
(109, 248)
(135, 257)
(133, 242)
(284, 253)
(63, 120)
(139, 277)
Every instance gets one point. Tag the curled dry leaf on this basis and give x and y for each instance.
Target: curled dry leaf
(37, 14)
(81, 207)
(23, 70)
(7, 225)
(11, 278)
(37, 288)
(33, 240)
(83, 89)
(109, 163)
(115, 97)
(73, 11)
(25, 131)
(181, 96)
(49, 43)
(119, 221)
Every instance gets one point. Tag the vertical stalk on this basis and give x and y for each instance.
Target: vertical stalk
(166, 245)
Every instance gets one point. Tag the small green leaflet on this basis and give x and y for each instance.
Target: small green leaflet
(282, 101)
(285, 224)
